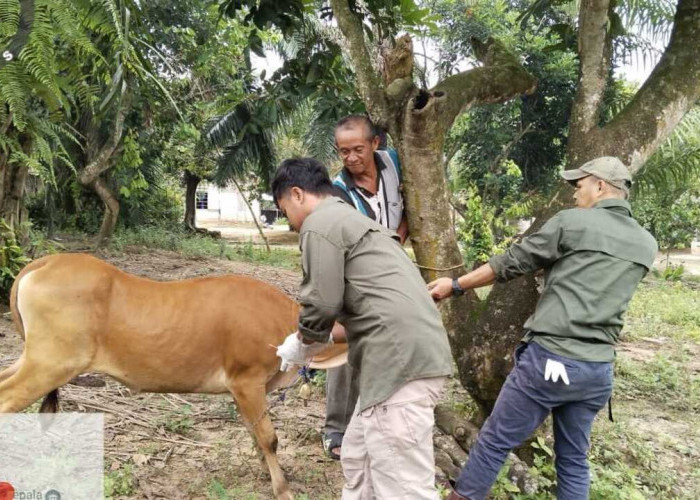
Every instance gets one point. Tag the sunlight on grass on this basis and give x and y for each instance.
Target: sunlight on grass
(661, 379)
(664, 309)
(194, 245)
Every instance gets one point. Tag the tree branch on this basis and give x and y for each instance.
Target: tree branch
(594, 52)
(17, 43)
(502, 78)
(370, 85)
(668, 94)
(502, 156)
(100, 163)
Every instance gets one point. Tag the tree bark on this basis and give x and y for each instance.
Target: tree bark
(370, 85)
(595, 49)
(191, 183)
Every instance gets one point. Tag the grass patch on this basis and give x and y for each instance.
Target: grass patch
(179, 422)
(217, 491)
(120, 482)
(662, 379)
(195, 245)
(624, 466)
(664, 309)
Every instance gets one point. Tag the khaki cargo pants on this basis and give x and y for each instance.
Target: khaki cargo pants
(387, 450)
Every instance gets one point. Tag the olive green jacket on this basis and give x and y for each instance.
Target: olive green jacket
(357, 273)
(593, 261)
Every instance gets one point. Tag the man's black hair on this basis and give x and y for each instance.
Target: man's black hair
(307, 174)
(353, 121)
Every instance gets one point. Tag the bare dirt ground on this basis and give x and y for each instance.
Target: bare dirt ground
(196, 447)
(247, 232)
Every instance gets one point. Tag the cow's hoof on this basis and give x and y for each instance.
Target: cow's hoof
(287, 495)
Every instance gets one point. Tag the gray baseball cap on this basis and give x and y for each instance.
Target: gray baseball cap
(607, 168)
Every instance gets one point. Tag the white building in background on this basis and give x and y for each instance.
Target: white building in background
(223, 204)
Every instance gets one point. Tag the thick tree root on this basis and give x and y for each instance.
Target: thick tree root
(204, 232)
(451, 449)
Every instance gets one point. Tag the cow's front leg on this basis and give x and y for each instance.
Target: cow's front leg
(250, 397)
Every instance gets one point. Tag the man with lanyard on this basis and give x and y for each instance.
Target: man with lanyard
(356, 272)
(371, 178)
(371, 182)
(593, 257)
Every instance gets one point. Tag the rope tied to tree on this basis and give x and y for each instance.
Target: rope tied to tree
(438, 269)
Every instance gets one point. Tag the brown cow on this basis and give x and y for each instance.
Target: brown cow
(209, 335)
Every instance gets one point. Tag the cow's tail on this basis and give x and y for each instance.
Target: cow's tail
(50, 403)
(16, 317)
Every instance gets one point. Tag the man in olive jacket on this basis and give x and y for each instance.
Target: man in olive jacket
(356, 272)
(594, 257)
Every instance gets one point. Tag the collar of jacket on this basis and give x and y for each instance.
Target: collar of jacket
(622, 206)
(327, 202)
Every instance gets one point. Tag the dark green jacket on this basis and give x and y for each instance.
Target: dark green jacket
(357, 273)
(593, 261)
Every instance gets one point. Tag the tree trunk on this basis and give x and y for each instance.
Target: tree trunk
(111, 215)
(51, 208)
(99, 161)
(633, 136)
(191, 183)
(418, 121)
(483, 334)
(646, 122)
(13, 190)
(430, 230)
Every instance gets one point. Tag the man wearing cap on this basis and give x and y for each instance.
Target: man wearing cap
(593, 258)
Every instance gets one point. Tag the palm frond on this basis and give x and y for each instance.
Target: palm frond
(9, 18)
(676, 164)
(320, 138)
(223, 128)
(247, 141)
(651, 19)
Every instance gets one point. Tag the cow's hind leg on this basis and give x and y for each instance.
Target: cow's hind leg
(253, 407)
(31, 381)
(11, 370)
